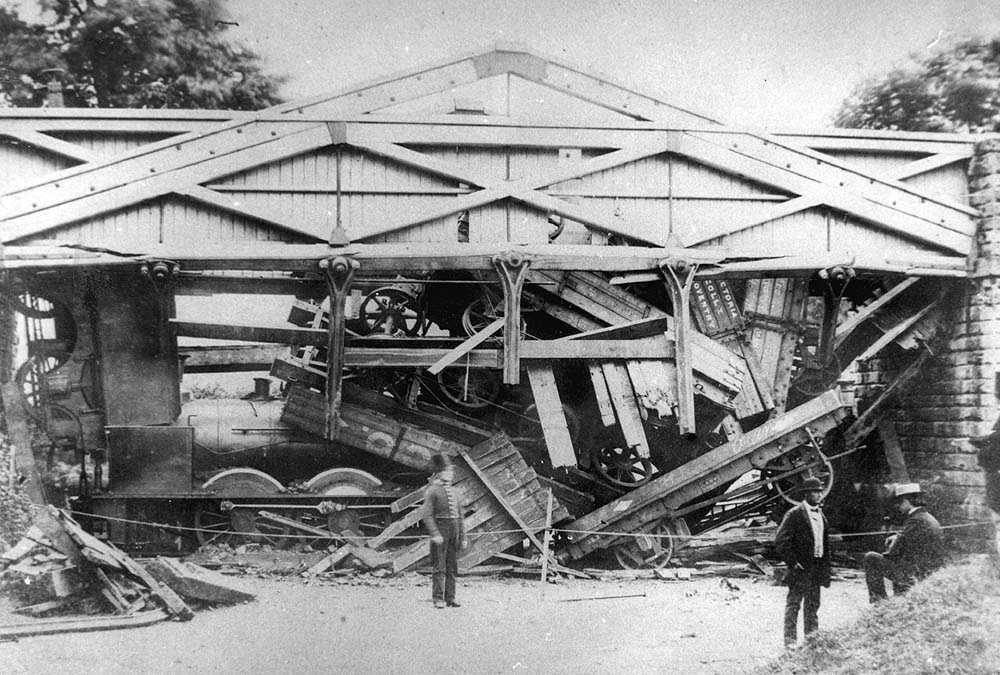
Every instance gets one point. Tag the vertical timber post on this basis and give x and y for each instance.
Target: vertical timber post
(679, 276)
(338, 272)
(512, 269)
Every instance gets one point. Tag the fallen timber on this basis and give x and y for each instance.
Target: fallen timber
(503, 498)
(662, 497)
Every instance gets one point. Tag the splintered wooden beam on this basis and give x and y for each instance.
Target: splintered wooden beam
(551, 415)
(623, 400)
(601, 393)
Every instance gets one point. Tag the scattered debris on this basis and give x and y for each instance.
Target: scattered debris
(605, 597)
(84, 575)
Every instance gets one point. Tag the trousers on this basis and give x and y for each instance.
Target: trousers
(444, 557)
(877, 570)
(803, 591)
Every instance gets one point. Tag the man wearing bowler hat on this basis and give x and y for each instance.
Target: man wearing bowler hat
(443, 519)
(804, 544)
(912, 554)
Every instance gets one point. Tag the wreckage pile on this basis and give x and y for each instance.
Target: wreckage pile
(59, 569)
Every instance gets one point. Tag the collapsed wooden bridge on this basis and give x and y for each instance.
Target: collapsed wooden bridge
(636, 313)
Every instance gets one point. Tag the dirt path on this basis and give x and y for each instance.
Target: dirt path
(504, 626)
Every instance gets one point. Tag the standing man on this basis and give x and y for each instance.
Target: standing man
(912, 554)
(443, 519)
(804, 544)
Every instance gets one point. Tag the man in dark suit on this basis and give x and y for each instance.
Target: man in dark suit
(912, 554)
(804, 544)
(443, 519)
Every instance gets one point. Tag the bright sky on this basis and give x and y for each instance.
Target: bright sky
(766, 63)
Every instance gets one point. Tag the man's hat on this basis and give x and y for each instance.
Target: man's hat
(810, 484)
(440, 462)
(906, 490)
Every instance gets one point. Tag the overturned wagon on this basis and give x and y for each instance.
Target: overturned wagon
(648, 317)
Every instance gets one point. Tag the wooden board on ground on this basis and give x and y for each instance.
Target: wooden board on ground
(193, 582)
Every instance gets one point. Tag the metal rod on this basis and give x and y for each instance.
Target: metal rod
(605, 597)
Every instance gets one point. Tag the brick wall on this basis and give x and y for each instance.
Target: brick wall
(955, 395)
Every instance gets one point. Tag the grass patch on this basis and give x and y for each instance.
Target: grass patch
(947, 625)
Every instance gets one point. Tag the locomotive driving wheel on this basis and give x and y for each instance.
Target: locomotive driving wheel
(222, 521)
(653, 546)
(345, 482)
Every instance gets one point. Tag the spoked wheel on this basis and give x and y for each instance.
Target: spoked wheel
(621, 466)
(481, 313)
(221, 521)
(31, 377)
(654, 546)
(469, 390)
(344, 483)
(794, 467)
(390, 301)
(32, 306)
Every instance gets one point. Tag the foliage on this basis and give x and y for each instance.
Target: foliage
(956, 89)
(212, 390)
(132, 54)
(945, 625)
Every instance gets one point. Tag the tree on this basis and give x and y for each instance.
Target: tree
(956, 89)
(133, 54)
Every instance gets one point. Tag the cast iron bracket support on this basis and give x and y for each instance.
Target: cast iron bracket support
(339, 273)
(679, 275)
(512, 268)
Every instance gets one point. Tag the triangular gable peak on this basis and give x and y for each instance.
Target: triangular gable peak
(577, 156)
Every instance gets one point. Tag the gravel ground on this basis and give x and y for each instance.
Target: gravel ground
(706, 625)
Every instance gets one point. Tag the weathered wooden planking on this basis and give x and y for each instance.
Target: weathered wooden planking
(551, 415)
(623, 400)
(719, 317)
(601, 393)
(702, 474)
(774, 311)
(493, 526)
(611, 305)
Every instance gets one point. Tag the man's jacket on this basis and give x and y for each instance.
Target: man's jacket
(794, 543)
(918, 550)
(442, 501)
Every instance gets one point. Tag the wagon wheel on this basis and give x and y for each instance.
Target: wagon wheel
(794, 467)
(31, 378)
(387, 301)
(480, 313)
(469, 389)
(620, 465)
(653, 548)
(220, 521)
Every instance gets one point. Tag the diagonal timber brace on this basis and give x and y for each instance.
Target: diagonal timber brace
(513, 269)
(679, 275)
(339, 273)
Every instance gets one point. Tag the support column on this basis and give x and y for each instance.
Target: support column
(512, 269)
(679, 275)
(339, 273)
